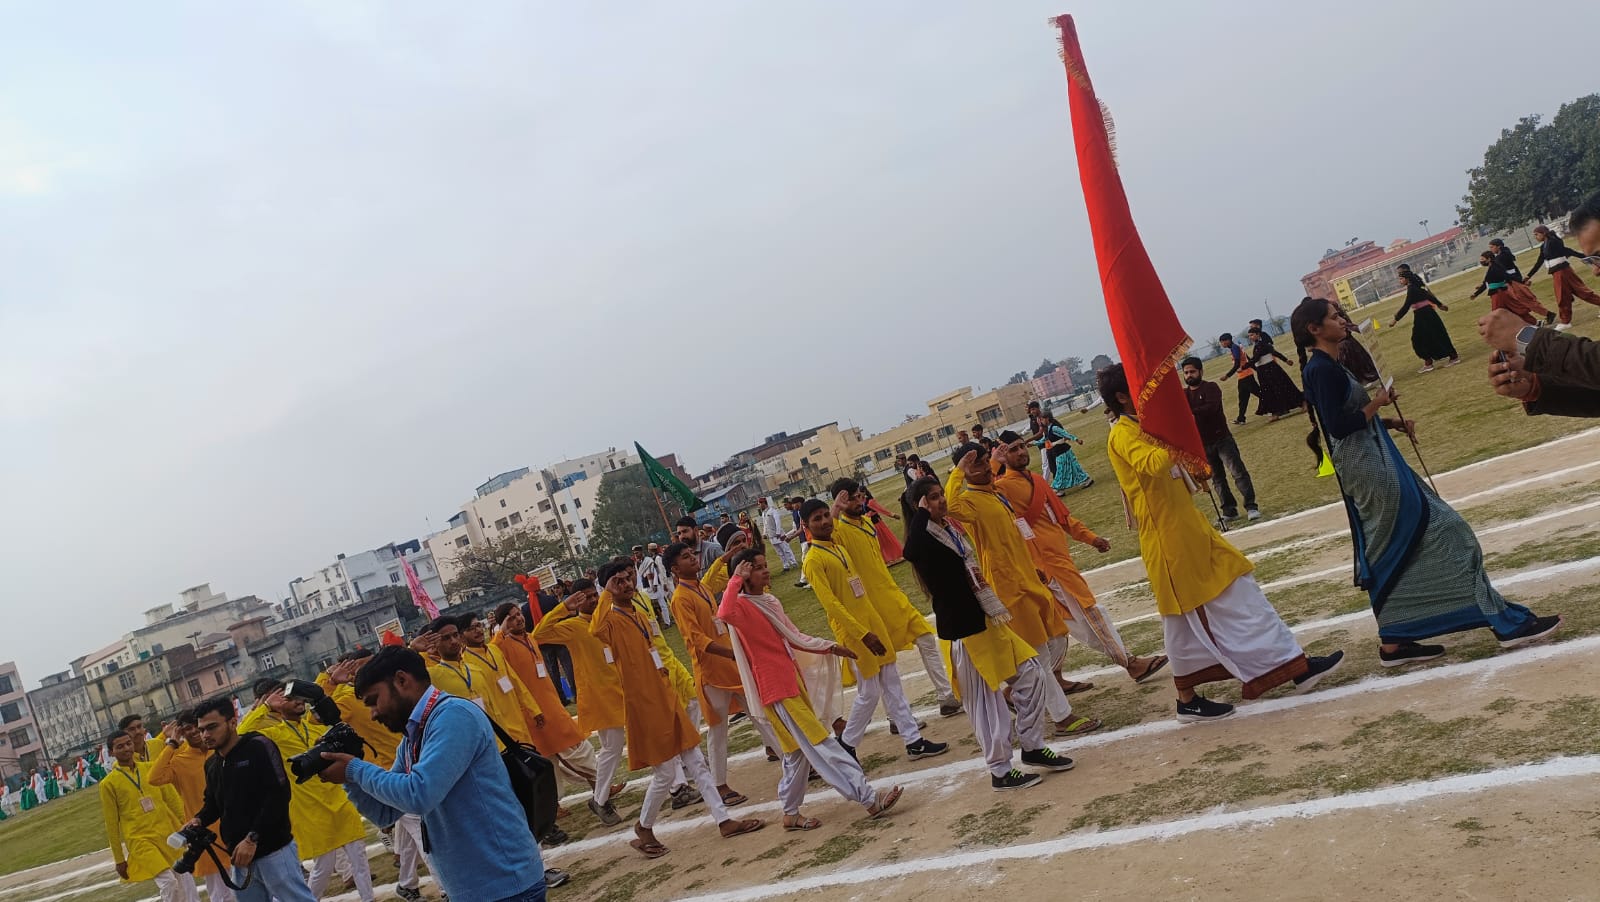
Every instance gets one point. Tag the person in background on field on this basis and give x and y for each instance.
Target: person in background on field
(905, 625)
(1557, 258)
(182, 766)
(1217, 623)
(999, 537)
(1430, 340)
(139, 816)
(692, 534)
(658, 727)
(1279, 395)
(985, 654)
(799, 531)
(1417, 558)
(1056, 444)
(778, 531)
(1507, 289)
(1248, 385)
(888, 545)
(1053, 528)
(1222, 452)
(600, 709)
(652, 577)
(765, 641)
(858, 626)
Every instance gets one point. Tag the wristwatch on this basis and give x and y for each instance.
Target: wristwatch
(1524, 337)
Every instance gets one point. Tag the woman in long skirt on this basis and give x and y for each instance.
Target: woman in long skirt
(1429, 338)
(888, 545)
(1417, 558)
(1057, 442)
(1279, 395)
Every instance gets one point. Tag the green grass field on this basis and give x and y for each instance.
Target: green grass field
(57, 830)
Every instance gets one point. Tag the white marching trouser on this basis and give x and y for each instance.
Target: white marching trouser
(175, 887)
(1055, 699)
(322, 868)
(717, 736)
(933, 665)
(991, 718)
(884, 685)
(217, 891)
(829, 760)
(785, 553)
(576, 766)
(692, 763)
(612, 740)
(408, 847)
(1239, 629)
(1091, 626)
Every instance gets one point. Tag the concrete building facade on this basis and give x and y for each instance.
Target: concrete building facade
(350, 579)
(66, 719)
(21, 745)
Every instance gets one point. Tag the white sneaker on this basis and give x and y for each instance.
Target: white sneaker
(1252, 514)
(1563, 327)
(1426, 369)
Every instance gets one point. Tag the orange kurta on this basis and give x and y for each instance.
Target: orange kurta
(658, 726)
(184, 769)
(1050, 549)
(694, 608)
(600, 705)
(559, 732)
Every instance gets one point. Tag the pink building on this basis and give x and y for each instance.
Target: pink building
(1056, 382)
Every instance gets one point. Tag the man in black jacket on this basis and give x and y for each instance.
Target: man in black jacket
(1548, 372)
(247, 790)
(984, 652)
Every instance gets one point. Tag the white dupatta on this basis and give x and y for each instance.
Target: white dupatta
(819, 668)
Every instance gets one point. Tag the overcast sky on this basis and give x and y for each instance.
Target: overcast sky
(282, 280)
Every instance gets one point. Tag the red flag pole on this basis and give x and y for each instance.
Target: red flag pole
(1146, 328)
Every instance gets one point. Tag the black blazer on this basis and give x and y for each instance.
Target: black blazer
(944, 575)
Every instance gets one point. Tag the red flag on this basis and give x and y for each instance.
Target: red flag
(1148, 334)
(419, 595)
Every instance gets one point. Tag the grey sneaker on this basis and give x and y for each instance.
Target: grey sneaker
(408, 893)
(607, 813)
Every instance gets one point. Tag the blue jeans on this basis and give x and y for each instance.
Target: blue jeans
(277, 876)
(534, 893)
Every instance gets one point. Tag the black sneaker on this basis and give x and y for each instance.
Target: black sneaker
(1202, 709)
(849, 749)
(1015, 779)
(924, 748)
(554, 838)
(607, 813)
(1047, 759)
(1549, 319)
(1239, 422)
(408, 893)
(1532, 631)
(737, 718)
(949, 710)
(684, 796)
(1318, 666)
(802, 584)
(895, 731)
(554, 877)
(1230, 515)
(1409, 653)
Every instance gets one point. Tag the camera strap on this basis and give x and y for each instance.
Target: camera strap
(414, 752)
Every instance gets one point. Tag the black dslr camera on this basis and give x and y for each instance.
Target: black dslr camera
(194, 842)
(341, 737)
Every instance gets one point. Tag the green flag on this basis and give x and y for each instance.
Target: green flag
(661, 478)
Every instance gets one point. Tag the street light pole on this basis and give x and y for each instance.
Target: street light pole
(1424, 224)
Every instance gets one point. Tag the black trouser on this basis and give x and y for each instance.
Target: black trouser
(1247, 386)
(1225, 461)
(558, 661)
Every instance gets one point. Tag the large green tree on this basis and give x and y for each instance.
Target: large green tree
(625, 513)
(490, 569)
(1536, 171)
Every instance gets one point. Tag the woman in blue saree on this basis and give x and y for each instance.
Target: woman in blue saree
(1418, 560)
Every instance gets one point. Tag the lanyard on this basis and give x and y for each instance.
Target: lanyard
(466, 677)
(835, 554)
(489, 660)
(1002, 499)
(870, 532)
(523, 641)
(632, 616)
(304, 737)
(696, 589)
(961, 547)
(134, 778)
(422, 724)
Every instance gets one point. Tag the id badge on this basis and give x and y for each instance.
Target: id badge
(655, 658)
(609, 658)
(539, 668)
(505, 685)
(655, 628)
(722, 628)
(1024, 528)
(857, 587)
(148, 804)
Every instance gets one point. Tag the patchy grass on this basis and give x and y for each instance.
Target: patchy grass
(876, 760)
(1525, 504)
(1228, 754)
(833, 850)
(1568, 547)
(627, 886)
(61, 829)
(777, 851)
(999, 825)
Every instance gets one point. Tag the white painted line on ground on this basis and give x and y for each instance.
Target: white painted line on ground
(1387, 797)
(974, 767)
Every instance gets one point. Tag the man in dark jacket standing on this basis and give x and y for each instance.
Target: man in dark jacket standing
(1548, 372)
(984, 653)
(1222, 452)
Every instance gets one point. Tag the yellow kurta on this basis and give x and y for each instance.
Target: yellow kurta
(1050, 549)
(996, 653)
(355, 713)
(559, 732)
(659, 728)
(1003, 559)
(805, 717)
(904, 622)
(716, 577)
(1189, 563)
(252, 718)
(829, 569)
(184, 769)
(137, 836)
(320, 814)
(599, 687)
(505, 699)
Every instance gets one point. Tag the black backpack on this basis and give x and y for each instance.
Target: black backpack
(533, 781)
